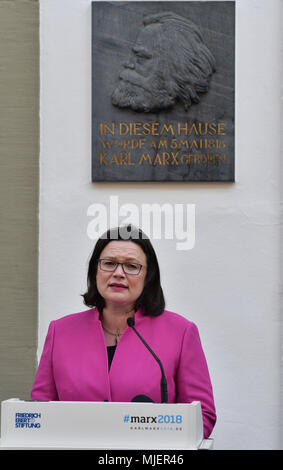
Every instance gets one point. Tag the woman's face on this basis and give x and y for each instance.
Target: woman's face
(117, 288)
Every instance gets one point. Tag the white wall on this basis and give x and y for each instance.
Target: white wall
(229, 284)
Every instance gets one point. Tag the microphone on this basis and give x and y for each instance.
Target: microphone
(142, 398)
(163, 383)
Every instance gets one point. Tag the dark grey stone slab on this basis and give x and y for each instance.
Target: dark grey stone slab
(163, 80)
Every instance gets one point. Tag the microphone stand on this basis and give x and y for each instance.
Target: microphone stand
(163, 383)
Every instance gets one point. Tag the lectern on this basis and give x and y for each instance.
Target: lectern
(100, 425)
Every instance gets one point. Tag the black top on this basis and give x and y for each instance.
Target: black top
(110, 350)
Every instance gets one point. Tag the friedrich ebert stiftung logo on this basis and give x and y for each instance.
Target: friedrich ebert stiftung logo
(27, 420)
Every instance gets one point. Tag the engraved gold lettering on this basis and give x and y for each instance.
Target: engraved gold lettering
(145, 157)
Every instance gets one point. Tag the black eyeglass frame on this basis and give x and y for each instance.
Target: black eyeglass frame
(117, 264)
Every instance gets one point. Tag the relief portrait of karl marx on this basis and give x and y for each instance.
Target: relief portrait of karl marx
(169, 63)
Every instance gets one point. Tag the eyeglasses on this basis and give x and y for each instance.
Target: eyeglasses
(128, 268)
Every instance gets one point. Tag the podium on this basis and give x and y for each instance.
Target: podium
(100, 425)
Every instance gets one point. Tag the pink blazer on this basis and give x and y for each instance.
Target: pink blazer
(74, 363)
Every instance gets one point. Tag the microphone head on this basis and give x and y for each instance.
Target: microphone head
(131, 321)
(142, 398)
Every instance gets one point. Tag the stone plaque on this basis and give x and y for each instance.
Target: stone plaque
(163, 91)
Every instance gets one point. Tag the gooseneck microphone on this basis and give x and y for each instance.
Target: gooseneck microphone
(163, 383)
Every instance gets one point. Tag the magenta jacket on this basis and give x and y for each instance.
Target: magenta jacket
(74, 363)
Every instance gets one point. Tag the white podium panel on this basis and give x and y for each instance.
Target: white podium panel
(96, 425)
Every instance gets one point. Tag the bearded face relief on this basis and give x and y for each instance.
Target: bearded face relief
(142, 84)
(168, 63)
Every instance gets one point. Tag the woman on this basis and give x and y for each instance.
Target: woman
(95, 356)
